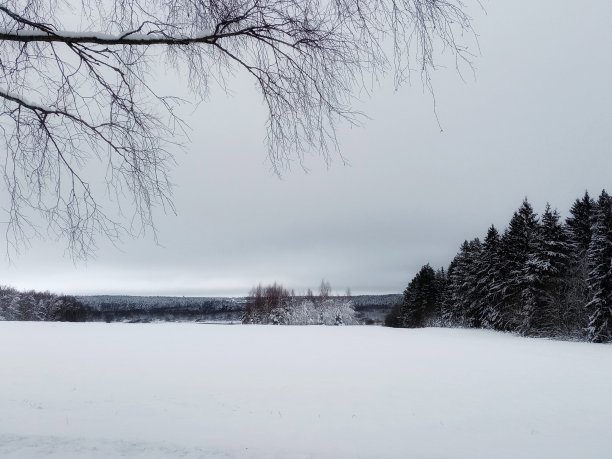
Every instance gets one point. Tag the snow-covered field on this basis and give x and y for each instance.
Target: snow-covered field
(220, 391)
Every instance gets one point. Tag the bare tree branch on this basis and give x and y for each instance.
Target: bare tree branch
(74, 98)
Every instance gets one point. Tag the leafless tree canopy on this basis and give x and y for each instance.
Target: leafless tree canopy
(76, 97)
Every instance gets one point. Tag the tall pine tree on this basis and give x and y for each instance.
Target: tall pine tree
(599, 257)
(578, 227)
(518, 243)
(545, 270)
(421, 299)
(488, 278)
(461, 293)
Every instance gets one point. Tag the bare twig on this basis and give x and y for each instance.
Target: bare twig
(70, 98)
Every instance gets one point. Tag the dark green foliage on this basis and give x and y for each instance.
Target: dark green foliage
(578, 227)
(393, 318)
(545, 274)
(540, 278)
(68, 309)
(518, 243)
(579, 224)
(441, 279)
(460, 306)
(421, 299)
(599, 256)
(488, 281)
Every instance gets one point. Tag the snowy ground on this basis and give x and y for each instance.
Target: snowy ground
(213, 391)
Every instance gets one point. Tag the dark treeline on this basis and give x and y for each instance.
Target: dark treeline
(44, 306)
(118, 308)
(540, 277)
(369, 309)
(15, 305)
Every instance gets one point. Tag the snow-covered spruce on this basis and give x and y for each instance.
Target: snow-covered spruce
(540, 278)
(599, 259)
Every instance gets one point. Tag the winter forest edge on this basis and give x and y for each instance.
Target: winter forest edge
(539, 277)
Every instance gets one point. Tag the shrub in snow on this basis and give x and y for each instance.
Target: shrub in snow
(263, 303)
(274, 304)
(331, 311)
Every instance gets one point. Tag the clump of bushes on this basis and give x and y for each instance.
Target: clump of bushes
(274, 304)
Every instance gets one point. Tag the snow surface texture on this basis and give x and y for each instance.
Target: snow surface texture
(213, 391)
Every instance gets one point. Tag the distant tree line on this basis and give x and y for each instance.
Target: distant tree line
(309, 308)
(15, 305)
(124, 308)
(540, 277)
(274, 304)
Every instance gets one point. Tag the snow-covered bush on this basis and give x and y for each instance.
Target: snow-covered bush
(305, 311)
(331, 311)
(263, 303)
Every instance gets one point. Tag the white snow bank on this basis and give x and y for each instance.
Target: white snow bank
(203, 391)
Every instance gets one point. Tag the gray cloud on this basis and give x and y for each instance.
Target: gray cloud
(535, 122)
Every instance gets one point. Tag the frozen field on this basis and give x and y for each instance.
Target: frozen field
(220, 391)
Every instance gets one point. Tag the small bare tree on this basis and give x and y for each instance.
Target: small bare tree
(76, 95)
(324, 289)
(263, 301)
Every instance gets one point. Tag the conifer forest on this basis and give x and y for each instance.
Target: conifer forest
(540, 276)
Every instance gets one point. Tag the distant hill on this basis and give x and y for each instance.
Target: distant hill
(370, 309)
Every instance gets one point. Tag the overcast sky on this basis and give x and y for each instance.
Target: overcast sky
(536, 121)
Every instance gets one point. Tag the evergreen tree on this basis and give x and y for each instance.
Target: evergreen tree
(461, 296)
(448, 295)
(471, 302)
(579, 224)
(421, 299)
(599, 257)
(539, 278)
(451, 313)
(488, 279)
(578, 227)
(441, 284)
(519, 241)
(393, 318)
(545, 272)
